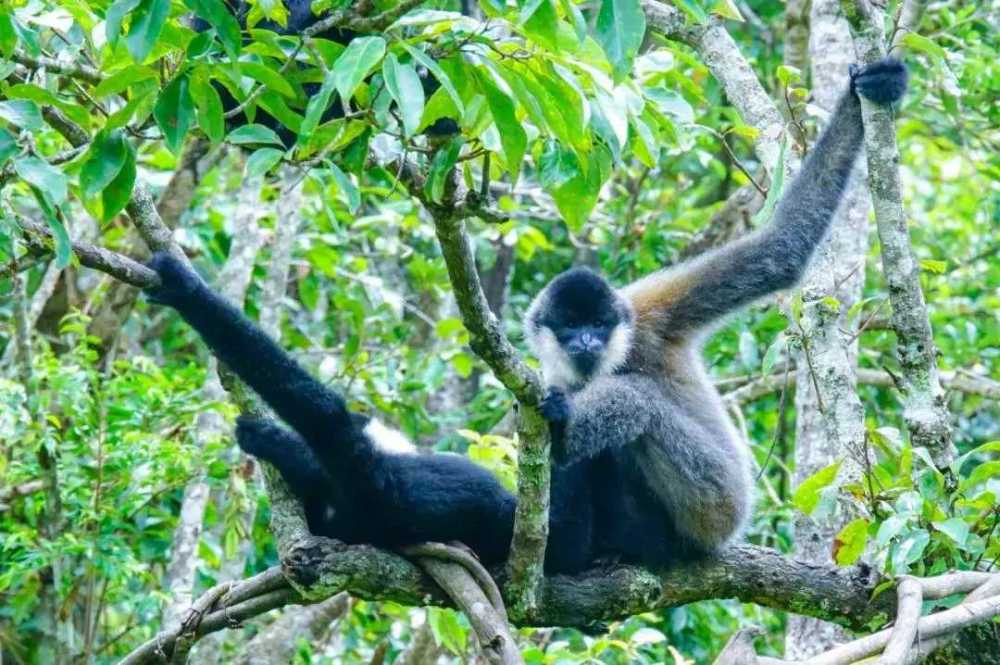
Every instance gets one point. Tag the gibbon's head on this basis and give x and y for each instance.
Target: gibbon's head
(579, 327)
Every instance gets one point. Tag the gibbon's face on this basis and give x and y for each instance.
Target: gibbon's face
(579, 327)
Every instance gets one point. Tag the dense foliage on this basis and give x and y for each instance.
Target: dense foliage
(597, 143)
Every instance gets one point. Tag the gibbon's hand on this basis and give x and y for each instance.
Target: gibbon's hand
(883, 82)
(555, 408)
(177, 281)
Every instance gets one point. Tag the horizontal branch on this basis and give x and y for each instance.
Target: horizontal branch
(320, 567)
(751, 388)
(81, 72)
(117, 265)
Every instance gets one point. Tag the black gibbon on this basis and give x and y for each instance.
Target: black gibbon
(648, 468)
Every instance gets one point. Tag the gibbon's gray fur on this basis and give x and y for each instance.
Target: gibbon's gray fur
(628, 398)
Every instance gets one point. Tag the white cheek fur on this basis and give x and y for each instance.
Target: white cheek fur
(617, 351)
(387, 439)
(557, 368)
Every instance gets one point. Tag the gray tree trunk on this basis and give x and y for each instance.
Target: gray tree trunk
(830, 424)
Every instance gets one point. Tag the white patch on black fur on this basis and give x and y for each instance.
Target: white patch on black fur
(388, 440)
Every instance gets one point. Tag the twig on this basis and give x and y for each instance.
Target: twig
(82, 72)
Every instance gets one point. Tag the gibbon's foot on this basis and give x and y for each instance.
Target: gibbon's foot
(177, 280)
(555, 406)
(883, 82)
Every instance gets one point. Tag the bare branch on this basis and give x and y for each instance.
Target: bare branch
(117, 265)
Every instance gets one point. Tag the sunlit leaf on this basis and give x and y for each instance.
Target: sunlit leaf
(620, 28)
(403, 84)
(174, 112)
(354, 64)
(807, 494)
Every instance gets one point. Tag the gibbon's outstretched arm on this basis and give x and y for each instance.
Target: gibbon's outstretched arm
(698, 293)
(610, 411)
(300, 400)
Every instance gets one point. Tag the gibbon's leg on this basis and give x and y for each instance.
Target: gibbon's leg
(299, 399)
(699, 471)
(697, 293)
(608, 412)
(286, 451)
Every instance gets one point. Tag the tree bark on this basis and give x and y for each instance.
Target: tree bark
(829, 415)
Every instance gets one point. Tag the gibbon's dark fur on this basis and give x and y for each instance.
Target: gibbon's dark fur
(648, 468)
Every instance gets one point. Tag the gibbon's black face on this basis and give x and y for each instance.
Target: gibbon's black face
(579, 327)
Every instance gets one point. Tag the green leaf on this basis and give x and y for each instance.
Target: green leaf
(354, 64)
(40, 174)
(23, 113)
(122, 79)
(346, 186)
(776, 188)
(693, 9)
(727, 9)
(442, 164)
(113, 19)
(889, 529)
(808, 492)
(955, 528)
(773, 353)
(116, 195)
(403, 84)
(253, 134)
(208, 105)
(268, 77)
(513, 138)
(8, 146)
(147, 23)
(61, 242)
(174, 112)
(435, 68)
(105, 158)
(620, 28)
(850, 543)
(8, 35)
(918, 42)
(225, 24)
(317, 105)
(542, 23)
(448, 630)
(573, 189)
(909, 550)
(934, 266)
(262, 161)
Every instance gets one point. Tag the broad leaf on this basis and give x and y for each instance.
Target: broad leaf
(48, 180)
(439, 74)
(269, 77)
(513, 138)
(354, 64)
(253, 134)
(174, 112)
(850, 543)
(262, 161)
(21, 112)
(116, 195)
(225, 24)
(620, 28)
(208, 105)
(442, 164)
(147, 23)
(8, 146)
(808, 492)
(403, 84)
(105, 158)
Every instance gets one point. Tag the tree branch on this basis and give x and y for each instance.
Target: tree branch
(924, 408)
(117, 265)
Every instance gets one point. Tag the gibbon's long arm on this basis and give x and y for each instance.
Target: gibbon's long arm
(312, 409)
(697, 293)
